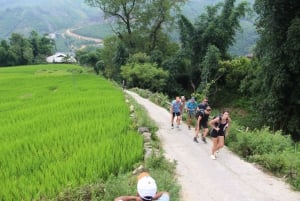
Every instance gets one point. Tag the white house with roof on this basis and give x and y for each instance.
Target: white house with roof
(60, 58)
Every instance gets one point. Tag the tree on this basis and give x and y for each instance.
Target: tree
(278, 51)
(215, 28)
(139, 72)
(4, 48)
(210, 70)
(140, 23)
(21, 49)
(88, 58)
(41, 46)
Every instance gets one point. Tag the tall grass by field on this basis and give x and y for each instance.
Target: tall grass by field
(60, 127)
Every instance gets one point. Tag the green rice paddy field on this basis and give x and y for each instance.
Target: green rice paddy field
(61, 127)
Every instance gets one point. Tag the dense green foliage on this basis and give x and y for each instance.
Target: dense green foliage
(22, 51)
(278, 52)
(140, 72)
(197, 40)
(58, 130)
(273, 151)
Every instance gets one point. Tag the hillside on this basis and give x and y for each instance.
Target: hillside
(18, 16)
(44, 16)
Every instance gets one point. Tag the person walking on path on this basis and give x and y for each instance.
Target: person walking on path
(146, 190)
(191, 107)
(202, 123)
(203, 104)
(175, 112)
(220, 128)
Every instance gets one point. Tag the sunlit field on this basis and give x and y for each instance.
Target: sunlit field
(60, 127)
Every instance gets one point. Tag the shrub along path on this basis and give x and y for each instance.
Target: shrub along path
(201, 178)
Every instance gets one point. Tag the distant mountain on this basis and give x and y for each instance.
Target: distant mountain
(56, 16)
(44, 16)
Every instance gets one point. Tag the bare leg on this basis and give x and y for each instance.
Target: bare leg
(220, 142)
(189, 120)
(214, 147)
(178, 120)
(197, 130)
(172, 119)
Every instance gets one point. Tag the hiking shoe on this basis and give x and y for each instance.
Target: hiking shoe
(213, 157)
(195, 139)
(204, 140)
(189, 127)
(177, 126)
(172, 125)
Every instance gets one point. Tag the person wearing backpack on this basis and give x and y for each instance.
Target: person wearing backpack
(220, 128)
(202, 122)
(203, 104)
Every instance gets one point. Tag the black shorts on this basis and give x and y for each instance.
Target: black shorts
(203, 124)
(215, 133)
(176, 114)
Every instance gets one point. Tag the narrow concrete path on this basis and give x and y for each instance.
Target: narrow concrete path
(226, 179)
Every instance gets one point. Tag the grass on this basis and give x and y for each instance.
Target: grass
(59, 129)
(65, 135)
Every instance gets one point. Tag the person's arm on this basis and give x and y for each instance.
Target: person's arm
(199, 119)
(127, 198)
(213, 122)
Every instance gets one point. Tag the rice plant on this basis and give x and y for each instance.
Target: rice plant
(61, 127)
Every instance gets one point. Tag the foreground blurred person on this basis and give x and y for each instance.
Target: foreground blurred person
(146, 190)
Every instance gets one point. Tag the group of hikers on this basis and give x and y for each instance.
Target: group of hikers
(201, 113)
(146, 186)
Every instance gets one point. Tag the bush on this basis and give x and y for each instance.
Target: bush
(286, 164)
(258, 142)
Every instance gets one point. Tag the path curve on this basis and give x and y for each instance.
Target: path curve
(71, 33)
(228, 178)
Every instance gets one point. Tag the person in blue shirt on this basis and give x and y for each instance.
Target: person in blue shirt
(191, 107)
(175, 110)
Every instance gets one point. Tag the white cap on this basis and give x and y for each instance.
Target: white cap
(146, 187)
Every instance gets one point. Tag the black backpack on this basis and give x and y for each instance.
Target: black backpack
(220, 119)
(198, 113)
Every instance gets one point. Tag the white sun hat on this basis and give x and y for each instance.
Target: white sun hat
(146, 186)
